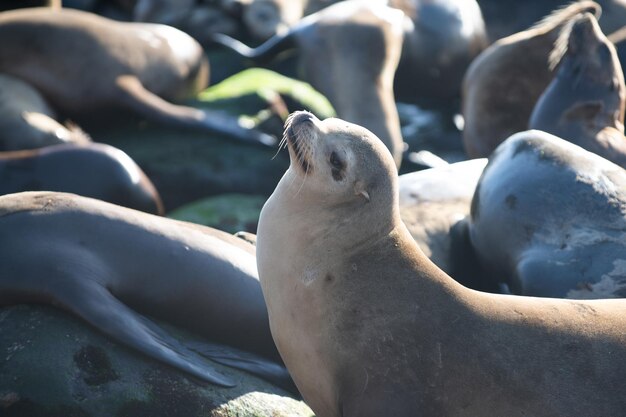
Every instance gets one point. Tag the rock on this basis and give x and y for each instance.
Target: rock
(52, 364)
(229, 212)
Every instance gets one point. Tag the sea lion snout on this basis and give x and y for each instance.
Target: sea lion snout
(585, 30)
(299, 134)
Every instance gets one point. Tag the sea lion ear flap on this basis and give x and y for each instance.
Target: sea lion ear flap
(359, 189)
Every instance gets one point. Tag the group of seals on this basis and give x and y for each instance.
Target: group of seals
(113, 266)
(85, 65)
(549, 219)
(505, 81)
(94, 170)
(349, 52)
(584, 103)
(368, 326)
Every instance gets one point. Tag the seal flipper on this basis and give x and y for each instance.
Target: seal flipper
(138, 98)
(262, 54)
(256, 365)
(96, 305)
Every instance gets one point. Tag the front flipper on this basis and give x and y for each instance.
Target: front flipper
(135, 96)
(96, 305)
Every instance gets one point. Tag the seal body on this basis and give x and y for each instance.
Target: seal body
(503, 84)
(109, 65)
(95, 170)
(368, 326)
(584, 103)
(113, 266)
(549, 219)
(440, 41)
(27, 121)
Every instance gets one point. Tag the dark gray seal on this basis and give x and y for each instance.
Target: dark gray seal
(86, 65)
(94, 170)
(114, 267)
(549, 219)
(368, 326)
(584, 103)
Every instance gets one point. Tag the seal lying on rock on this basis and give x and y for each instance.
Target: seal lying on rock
(368, 326)
(112, 266)
(348, 52)
(94, 170)
(27, 121)
(584, 103)
(549, 219)
(503, 83)
(85, 65)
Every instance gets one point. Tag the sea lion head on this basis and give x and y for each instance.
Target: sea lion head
(588, 60)
(339, 163)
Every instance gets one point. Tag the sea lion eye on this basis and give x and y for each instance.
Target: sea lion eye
(336, 167)
(335, 161)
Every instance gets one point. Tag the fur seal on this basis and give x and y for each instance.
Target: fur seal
(140, 67)
(113, 266)
(368, 326)
(584, 103)
(434, 204)
(549, 219)
(95, 170)
(27, 121)
(505, 81)
(349, 52)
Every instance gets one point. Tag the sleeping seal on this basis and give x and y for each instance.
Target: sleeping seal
(86, 65)
(113, 267)
(549, 219)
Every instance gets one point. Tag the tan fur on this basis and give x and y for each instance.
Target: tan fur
(368, 326)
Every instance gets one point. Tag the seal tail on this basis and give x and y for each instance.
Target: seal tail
(96, 305)
(263, 53)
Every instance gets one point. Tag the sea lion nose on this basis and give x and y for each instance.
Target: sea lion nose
(300, 117)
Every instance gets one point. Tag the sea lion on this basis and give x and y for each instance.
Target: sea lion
(27, 121)
(349, 52)
(433, 205)
(549, 219)
(440, 41)
(368, 326)
(113, 266)
(505, 81)
(584, 103)
(95, 170)
(139, 67)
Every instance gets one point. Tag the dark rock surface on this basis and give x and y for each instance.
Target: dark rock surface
(54, 365)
